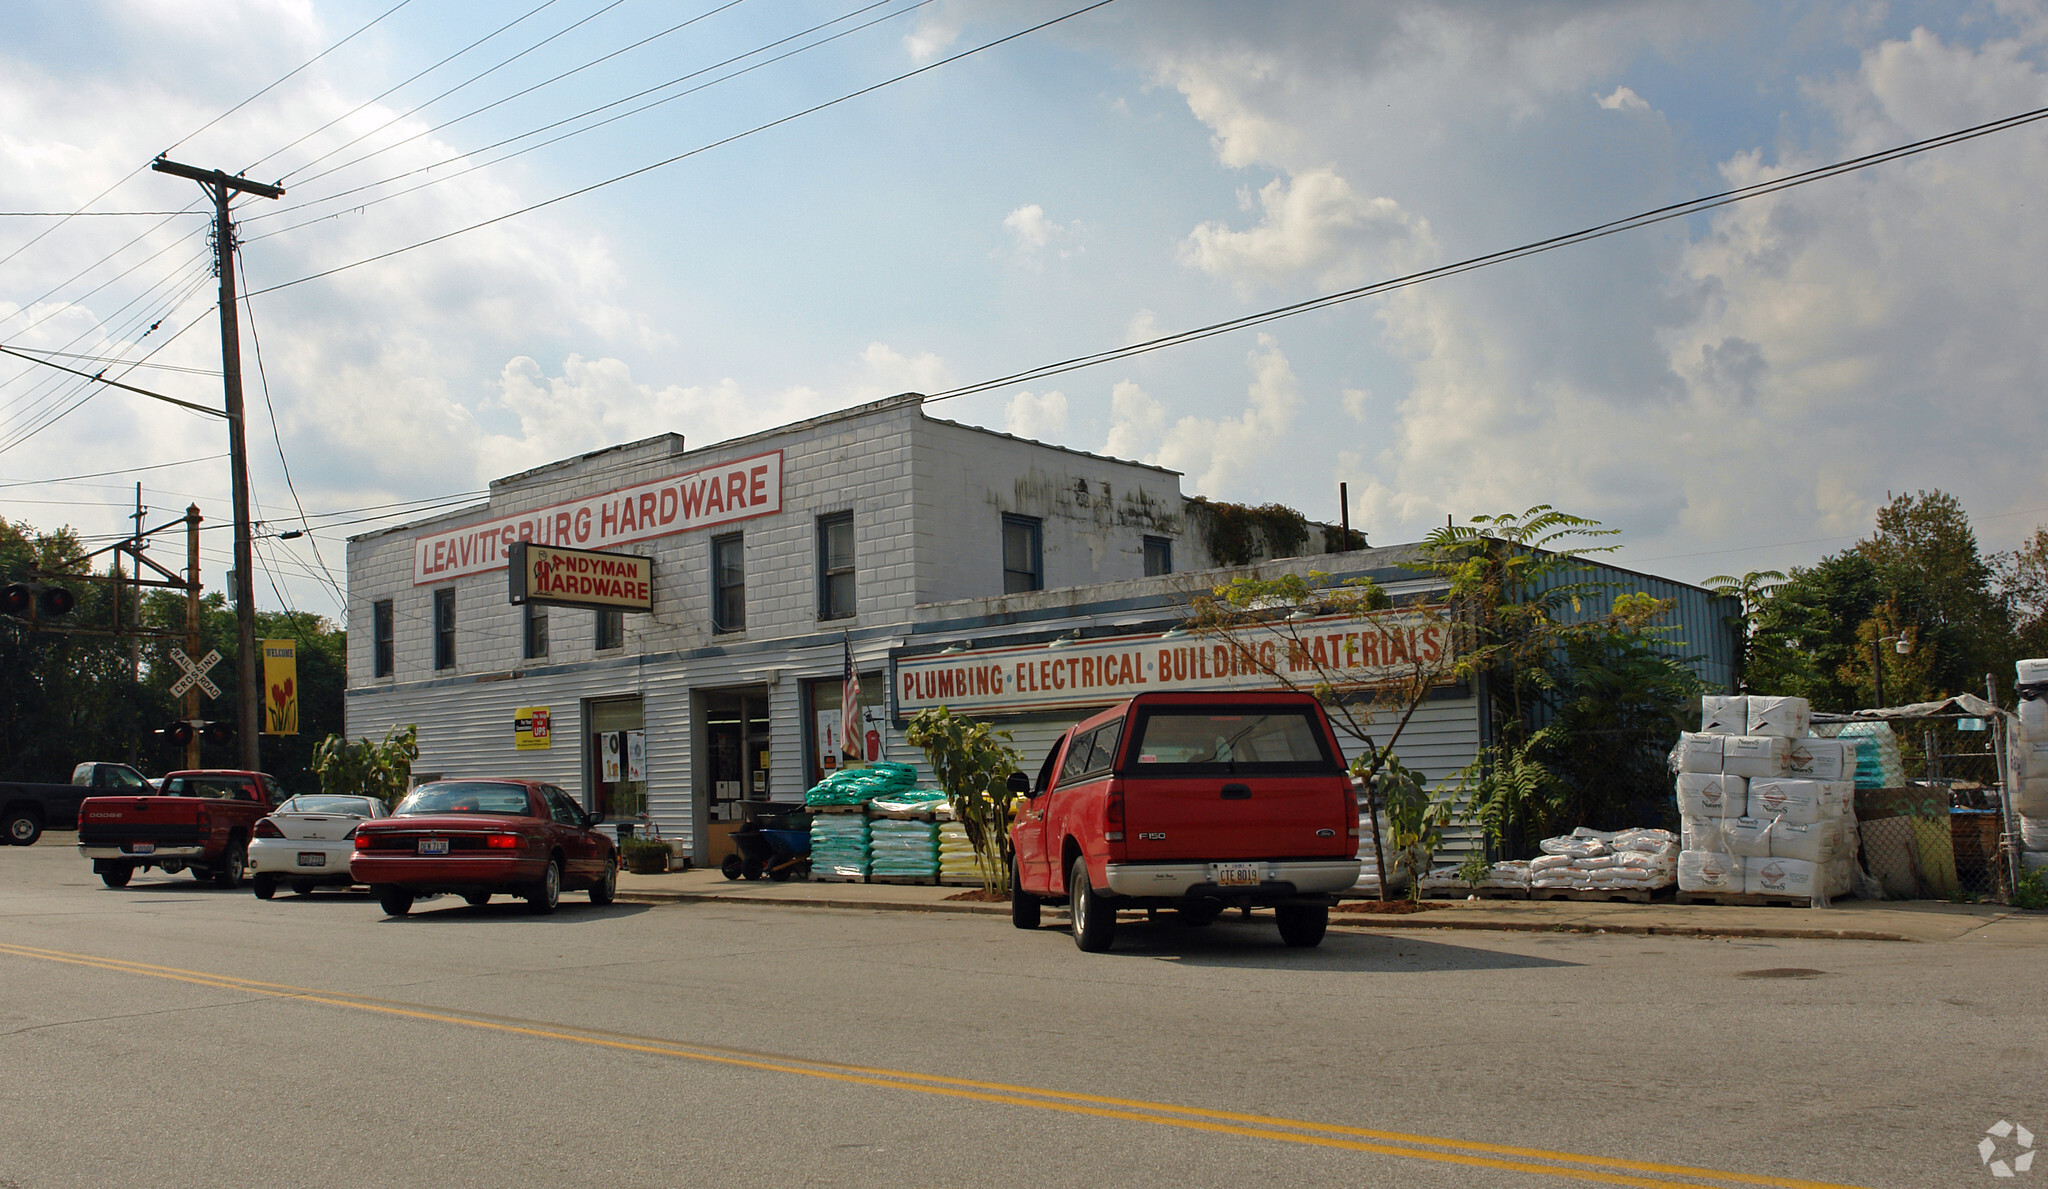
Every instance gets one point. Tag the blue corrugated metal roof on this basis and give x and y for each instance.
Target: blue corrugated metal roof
(1702, 622)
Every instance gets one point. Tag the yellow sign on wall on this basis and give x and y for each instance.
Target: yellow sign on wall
(281, 679)
(531, 730)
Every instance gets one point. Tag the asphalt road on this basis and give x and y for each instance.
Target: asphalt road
(170, 1034)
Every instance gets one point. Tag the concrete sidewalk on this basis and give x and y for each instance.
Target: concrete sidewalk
(1849, 920)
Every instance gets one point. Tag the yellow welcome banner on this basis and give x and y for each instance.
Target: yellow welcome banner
(281, 680)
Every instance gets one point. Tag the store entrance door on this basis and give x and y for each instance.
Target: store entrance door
(615, 762)
(737, 766)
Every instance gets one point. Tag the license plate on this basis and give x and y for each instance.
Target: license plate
(312, 858)
(433, 846)
(142, 848)
(1236, 875)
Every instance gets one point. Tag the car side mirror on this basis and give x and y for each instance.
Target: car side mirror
(591, 819)
(1018, 783)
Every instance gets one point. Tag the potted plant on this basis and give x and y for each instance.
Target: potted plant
(645, 856)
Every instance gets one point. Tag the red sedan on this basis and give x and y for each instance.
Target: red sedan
(485, 837)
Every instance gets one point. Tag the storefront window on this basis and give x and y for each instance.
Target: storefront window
(616, 759)
(823, 700)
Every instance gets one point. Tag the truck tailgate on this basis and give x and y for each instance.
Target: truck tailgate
(1231, 817)
(109, 820)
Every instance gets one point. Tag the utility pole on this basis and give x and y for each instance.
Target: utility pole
(248, 661)
(192, 624)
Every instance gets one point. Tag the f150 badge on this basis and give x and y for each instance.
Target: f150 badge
(1151, 837)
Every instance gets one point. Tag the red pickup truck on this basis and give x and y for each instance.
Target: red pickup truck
(201, 822)
(1194, 801)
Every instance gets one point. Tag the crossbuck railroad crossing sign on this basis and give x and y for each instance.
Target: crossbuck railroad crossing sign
(195, 673)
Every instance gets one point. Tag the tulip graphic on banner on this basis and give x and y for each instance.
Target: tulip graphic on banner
(281, 679)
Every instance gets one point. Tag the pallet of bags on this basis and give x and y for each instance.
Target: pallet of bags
(1796, 839)
(1587, 860)
(903, 850)
(956, 855)
(1402, 864)
(839, 846)
(1508, 878)
(1879, 765)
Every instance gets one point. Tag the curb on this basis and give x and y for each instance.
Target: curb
(1337, 920)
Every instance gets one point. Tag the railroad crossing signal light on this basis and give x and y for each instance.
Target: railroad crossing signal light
(178, 733)
(26, 600)
(219, 733)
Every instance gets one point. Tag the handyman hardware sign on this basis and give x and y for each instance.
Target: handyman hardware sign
(1349, 652)
(581, 578)
(696, 499)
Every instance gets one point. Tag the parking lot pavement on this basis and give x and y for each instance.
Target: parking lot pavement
(1854, 920)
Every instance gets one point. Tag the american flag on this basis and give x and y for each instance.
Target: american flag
(849, 707)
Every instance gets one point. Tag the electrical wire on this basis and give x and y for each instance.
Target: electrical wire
(644, 92)
(633, 173)
(167, 367)
(74, 479)
(123, 180)
(1678, 210)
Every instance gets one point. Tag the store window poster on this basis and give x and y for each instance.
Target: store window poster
(636, 755)
(612, 742)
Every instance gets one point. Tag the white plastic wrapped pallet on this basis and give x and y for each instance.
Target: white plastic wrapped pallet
(1724, 714)
(1754, 756)
(1822, 759)
(1748, 837)
(1704, 795)
(1709, 871)
(1799, 801)
(1703, 834)
(1787, 718)
(1783, 877)
(1815, 842)
(1697, 752)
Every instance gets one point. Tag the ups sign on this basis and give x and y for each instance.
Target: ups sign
(580, 578)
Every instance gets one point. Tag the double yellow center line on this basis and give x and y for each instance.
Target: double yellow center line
(1568, 1166)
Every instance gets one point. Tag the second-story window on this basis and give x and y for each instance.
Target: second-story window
(1023, 555)
(611, 630)
(728, 584)
(444, 628)
(1158, 556)
(835, 565)
(381, 638)
(536, 631)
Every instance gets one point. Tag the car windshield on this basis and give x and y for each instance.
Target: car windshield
(465, 796)
(1226, 739)
(355, 806)
(211, 787)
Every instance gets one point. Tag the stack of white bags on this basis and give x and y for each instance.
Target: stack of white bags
(1589, 860)
(1403, 864)
(2027, 756)
(1510, 875)
(1763, 808)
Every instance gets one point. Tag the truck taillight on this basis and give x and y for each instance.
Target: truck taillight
(502, 841)
(1351, 809)
(265, 828)
(1113, 816)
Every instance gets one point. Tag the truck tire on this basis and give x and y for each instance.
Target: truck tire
(395, 902)
(1024, 906)
(265, 886)
(116, 877)
(22, 827)
(228, 874)
(1303, 925)
(543, 896)
(1094, 919)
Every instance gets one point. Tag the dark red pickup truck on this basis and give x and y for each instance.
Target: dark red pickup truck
(201, 822)
(1194, 801)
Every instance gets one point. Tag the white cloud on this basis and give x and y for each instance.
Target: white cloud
(1356, 402)
(1220, 456)
(1622, 99)
(1033, 235)
(938, 27)
(885, 371)
(1041, 417)
(1315, 224)
(1143, 327)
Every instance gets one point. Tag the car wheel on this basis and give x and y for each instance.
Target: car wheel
(1024, 906)
(265, 886)
(1094, 919)
(1303, 925)
(396, 902)
(229, 873)
(1198, 915)
(606, 889)
(548, 892)
(732, 867)
(23, 828)
(116, 877)
(302, 887)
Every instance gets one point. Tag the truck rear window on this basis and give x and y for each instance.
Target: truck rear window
(1252, 740)
(213, 790)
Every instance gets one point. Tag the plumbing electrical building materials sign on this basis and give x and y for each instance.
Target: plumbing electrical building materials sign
(581, 578)
(708, 496)
(1348, 653)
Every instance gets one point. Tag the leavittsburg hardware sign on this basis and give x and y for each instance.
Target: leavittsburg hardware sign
(581, 578)
(1358, 652)
(712, 495)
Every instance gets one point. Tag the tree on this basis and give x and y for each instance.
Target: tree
(2022, 581)
(362, 768)
(1927, 561)
(973, 764)
(1805, 632)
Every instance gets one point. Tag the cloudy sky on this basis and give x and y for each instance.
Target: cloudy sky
(1736, 390)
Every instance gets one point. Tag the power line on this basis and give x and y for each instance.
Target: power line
(1678, 210)
(776, 123)
(90, 214)
(167, 367)
(155, 466)
(644, 92)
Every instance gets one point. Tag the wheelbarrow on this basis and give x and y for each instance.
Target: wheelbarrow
(777, 854)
